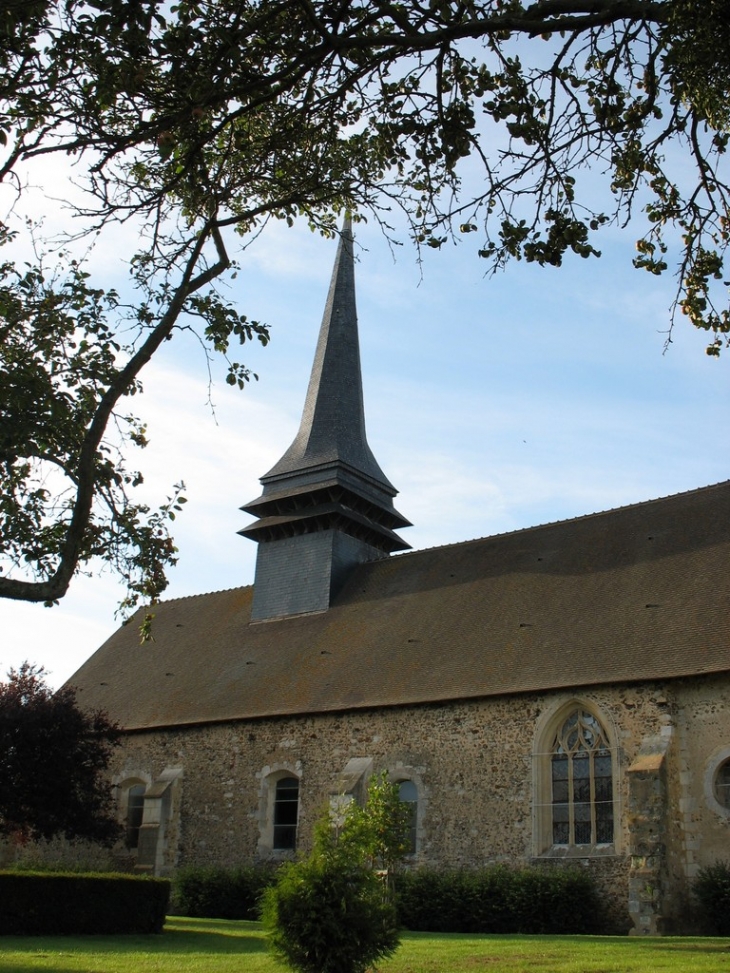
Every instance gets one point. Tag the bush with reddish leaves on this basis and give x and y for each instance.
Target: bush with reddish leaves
(53, 758)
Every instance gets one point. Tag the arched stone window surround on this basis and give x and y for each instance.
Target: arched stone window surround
(270, 776)
(157, 848)
(125, 790)
(548, 725)
(402, 774)
(716, 763)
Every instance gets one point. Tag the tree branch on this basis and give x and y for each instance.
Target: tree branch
(57, 585)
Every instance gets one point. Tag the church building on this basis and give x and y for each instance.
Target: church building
(553, 696)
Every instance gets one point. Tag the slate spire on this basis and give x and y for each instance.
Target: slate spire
(326, 505)
(332, 429)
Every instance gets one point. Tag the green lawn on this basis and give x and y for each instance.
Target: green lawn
(213, 946)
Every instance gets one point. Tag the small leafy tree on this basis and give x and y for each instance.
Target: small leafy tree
(377, 831)
(333, 912)
(52, 761)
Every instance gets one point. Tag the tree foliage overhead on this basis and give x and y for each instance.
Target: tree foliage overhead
(529, 126)
(52, 761)
(60, 360)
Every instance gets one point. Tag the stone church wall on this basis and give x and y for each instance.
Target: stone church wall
(701, 823)
(476, 766)
(473, 764)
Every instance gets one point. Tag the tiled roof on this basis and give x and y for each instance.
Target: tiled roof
(641, 592)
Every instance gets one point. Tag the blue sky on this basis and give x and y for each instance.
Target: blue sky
(492, 403)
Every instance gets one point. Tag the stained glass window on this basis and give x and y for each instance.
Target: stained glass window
(582, 782)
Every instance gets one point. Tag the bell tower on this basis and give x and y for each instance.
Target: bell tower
(326, 505)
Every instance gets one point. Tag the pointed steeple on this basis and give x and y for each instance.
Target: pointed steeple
(326, 505)
(332, 429)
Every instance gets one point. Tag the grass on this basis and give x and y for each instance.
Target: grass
(216, 946)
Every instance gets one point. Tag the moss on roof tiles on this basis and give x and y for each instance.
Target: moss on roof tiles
(634, 593)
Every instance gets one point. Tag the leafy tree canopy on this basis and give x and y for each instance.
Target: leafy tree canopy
(195, 119)
(52, 761)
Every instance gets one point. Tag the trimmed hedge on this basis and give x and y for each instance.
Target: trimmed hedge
(490, 900)
(221, 893)
(711, 891)
(499, 900)
(65, 903)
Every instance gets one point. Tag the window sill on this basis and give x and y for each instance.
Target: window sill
(579, 851)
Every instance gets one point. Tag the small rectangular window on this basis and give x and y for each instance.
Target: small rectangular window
(135, 814)
(286, 813)
(408, 794)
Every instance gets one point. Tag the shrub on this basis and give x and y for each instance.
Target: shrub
(325, 915)
(433, 901)
(53, 761)
(711, 891)
(34, 860)
(333, 912)
(47, 904)
(498, 900)
(220, 893)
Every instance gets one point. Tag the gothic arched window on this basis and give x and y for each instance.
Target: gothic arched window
(582, 782)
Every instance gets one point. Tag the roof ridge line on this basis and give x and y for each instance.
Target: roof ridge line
(554, 523)
(200, 594)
